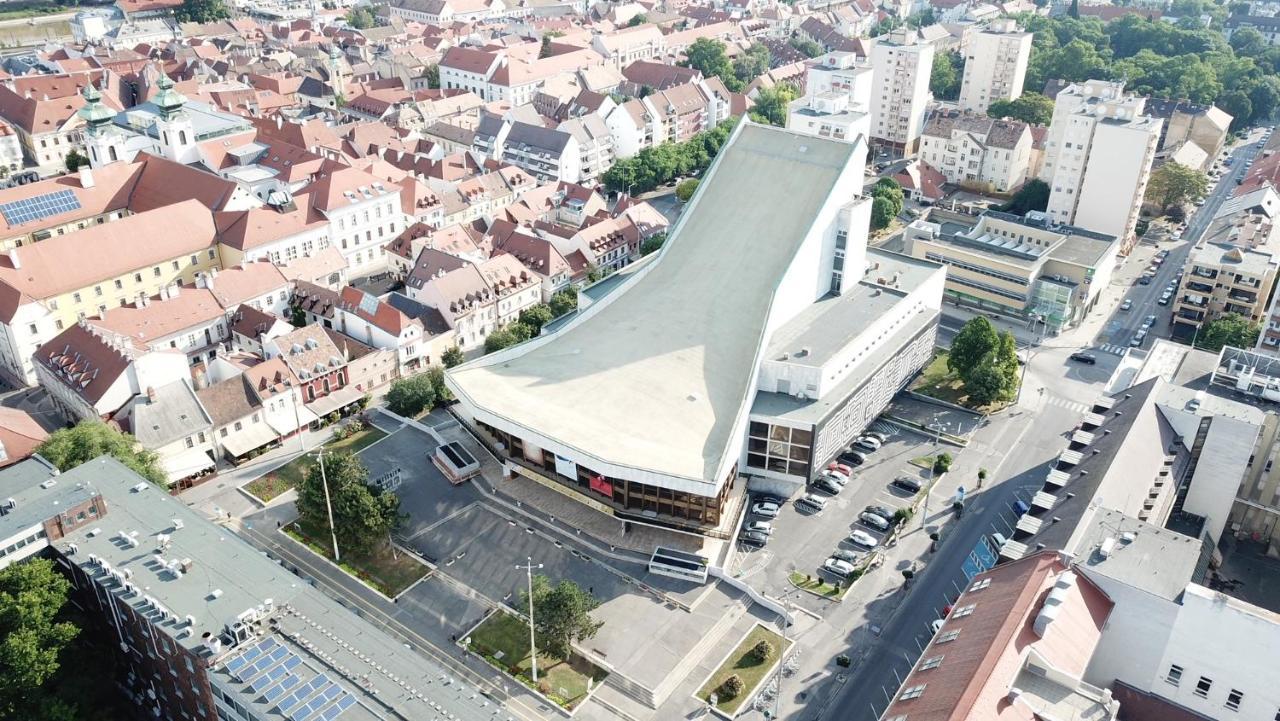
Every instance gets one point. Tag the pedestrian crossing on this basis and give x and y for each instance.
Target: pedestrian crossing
(1067, 403)
(1113, 349)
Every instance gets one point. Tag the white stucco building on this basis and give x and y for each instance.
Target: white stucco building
(995, 65)
(902, 65)
(837, 101)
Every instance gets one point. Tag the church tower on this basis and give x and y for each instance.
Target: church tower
(104, 143)
(175, 133)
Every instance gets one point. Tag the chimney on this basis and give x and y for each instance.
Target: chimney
(151, 394)
(279, 121)
(13, 259)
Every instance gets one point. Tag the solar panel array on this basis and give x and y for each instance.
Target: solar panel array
(271, 671)
(320, 701)
(277, 691)
(368, 304)
(288, 703)
(41, 206)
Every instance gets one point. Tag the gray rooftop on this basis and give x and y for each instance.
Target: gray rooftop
(224, 578)
(1157, 560)
(172, 414)
(34, 504)
(656, 378)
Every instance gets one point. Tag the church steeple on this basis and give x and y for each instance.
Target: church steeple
(95, 115)
(168, 100)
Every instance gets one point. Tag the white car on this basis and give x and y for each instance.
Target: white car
(862, 538)
(838, 567)
(874, 521)
(768, 510)
(936, 625)
(759, 526)
(834, 477)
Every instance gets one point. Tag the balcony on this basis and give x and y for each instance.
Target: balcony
(1243, 296)
(1199, 287)
(1242, 281)
(1200, 272)
(1191, 316)
(1201, 302)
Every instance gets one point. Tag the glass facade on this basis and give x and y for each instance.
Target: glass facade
(779, 449)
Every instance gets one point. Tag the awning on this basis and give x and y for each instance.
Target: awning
(334, 401)
(252, 436)
(284, 422)
(1013, 550)
(1071, 458)
(1093, 419)
(185, 464)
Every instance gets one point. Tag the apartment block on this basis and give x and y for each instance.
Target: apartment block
(1098, 158)
(995, 65)
(837, 103)
(976, 151)
(1223, 279)
(901, 67)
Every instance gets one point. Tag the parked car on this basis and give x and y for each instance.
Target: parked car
(867, 443)
(768, 510)
(907, 483)
(753, 538)
(839, 479)
(844, 554)
(764, 527)
(936, 625)
(1145, 279)
(1165, 298)
(1126, 305)
(853, 458)
(882, 511)
(1137, 339)
(837, 567)
(840, 468)
(826, 484)
(882, 437)
(1086, 358)
(874, 521)
(812, 502)
(864, 539)
(1148, 321)
(769, 498)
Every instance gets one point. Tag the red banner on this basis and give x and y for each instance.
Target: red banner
(601, 486)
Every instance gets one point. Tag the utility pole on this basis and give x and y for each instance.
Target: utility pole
(533, 649)
(328, 505)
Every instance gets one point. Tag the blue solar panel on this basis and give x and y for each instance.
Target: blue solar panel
(268, 678)
(316, 703)
(344, 702)
(275, 692)
(297, 697)
(263, 664)
(41, 206)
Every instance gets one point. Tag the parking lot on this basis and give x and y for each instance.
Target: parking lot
(802, 539)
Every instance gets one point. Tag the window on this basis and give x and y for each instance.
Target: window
(156, 271)
(34, 330)
(1234, 698)
(913, 692)
(97, 290)
(1175, 675)
(1202, 686)
(176, 265)
(137, 277)
(212, 253)
(119, 285)
(75, 297)
(190, 443)
(932, 662)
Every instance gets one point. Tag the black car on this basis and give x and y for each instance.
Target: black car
(766, 498)
(753, 538)
(1086, 358)
(822, 484)
(853, 458)
(907, 483)
(882, 511)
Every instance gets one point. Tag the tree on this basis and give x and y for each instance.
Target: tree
(1074, 10)
(762, 651)
(1033, 195)
(561, 614)
(984, 383)
(362, 515)
(1174, 184)
(881, 213)
(452, 357)
(536, 316)
(410, 396)
(806, 47)
(435, 374)
(731, 687)
(1032, 108)
(32, 594)
(652, 244)
(564, 301)
(771, 105)
(69, 447)
(637, 20)
(74, 160)
(360, 18)
(1239, 106)
(976, 339)
(752, 64)
(1231, 329)
(887, 201)
(708, 57)
(201, 11)
(686, 189)
(1248, 41)
(944, 80)
(433, 77)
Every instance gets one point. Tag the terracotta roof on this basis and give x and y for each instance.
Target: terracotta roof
(65, 263)
(161, 318)
(44, 103)
(270, 378)
(83, 361)
(242, 283)
(316, 299)
(308, 352)
(256, 227)
(316, 268)
(20, 435)
(345, 187)
(251, 322)
(229, 400)
(357, 302)
(137, 6)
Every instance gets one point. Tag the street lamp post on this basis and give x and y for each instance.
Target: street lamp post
(328, 506)
(533, 650)
(782, 653)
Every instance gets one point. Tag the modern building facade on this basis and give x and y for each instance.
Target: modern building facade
(1222, 279)
(1098, 158)
(642, 405)
(995, 65)
(901, 66)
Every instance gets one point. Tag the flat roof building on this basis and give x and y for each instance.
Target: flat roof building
(643, 399)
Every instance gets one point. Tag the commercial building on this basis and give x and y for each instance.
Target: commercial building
(1223, 279)
(837, 100)
(201, 624)
(977, 151)
(1256, 513)
(795, 336)
(1026, 267)
(902, 65)
(1098, 158)
(995, 65)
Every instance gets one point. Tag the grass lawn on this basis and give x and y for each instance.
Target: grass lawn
(818, 585)
(937, 381)
(32, 8)
(503, 641)
(746, 666)
(386, 569)
(923, 461)
(290, 475)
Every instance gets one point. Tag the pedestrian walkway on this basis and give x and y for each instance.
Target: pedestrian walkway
(1067, 403)
(1113, 349)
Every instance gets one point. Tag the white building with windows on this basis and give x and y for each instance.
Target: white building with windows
(837, 103)
(363, 215)
(1098, 158)
(977, 151)
(995, 65)
(902, 64)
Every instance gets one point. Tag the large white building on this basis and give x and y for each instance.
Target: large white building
(901, 66)
(977, 151)
(1098, 157)
(712, 363)
(995, 65)
(837, 103)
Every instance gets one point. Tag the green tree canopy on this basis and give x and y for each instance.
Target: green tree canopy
(74, 160)
(976, 339)
(361, 18)
(32, 593)
(708, 57)
(807, 47)
(652, 244)
(986, 383)
(452, 357)
(771, 104)
(564, 301)
(1033, 195)
(686, 189)
(1231, 329)
(1175, 184)
(67, 448)
(537, 316)
(1032, 108)
(881, 213)
(750, 65)
(944, 81)
(410, 396)
(562, 614)
(637, 20)
(201, 11)
(663, 163)
(362, 515)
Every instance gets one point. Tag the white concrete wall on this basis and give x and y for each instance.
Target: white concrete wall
(1134, 639)
(1115, 177)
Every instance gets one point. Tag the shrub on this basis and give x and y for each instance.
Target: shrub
(762, 651)
(731, 687)
(902, 515)
(544, 688)
(942, 464)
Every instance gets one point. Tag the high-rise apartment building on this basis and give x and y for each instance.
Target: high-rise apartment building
(901, 65)
(995, 65)
(1098, 158)
(837, 103)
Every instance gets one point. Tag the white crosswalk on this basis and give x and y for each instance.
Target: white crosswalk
(1113, 349)
(1068, 404)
